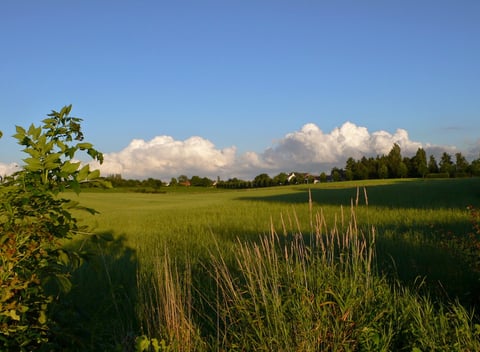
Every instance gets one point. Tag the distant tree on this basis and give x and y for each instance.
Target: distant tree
(309, 178)
(402, 170)
(408, 162)
(360, 171)
(198, 181)
(152, 183)
(420, 163)
(182, 179)
(394, 159)
(323, 177)
(475, 167)
(280, 179)
(336, 174)
(382, 170)
(432, 165)
(348, 174)
(446, 165)
(173, 181)
(262, 180)
(372, 167)
(461, 164)
(233, 183)
(300, 177)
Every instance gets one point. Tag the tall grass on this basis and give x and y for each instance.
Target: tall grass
(165, 308)
(197, 251)
(296, 291)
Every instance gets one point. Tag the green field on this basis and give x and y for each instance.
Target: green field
(421, 244)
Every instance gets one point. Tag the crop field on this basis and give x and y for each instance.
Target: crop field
(207, 269)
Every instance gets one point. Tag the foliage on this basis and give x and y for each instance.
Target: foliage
(394, 166)
(34, 220)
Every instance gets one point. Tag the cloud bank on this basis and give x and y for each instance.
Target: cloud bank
(308, 149)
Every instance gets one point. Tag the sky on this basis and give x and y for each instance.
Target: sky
(235, 88)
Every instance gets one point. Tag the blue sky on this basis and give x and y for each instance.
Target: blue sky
(247, 79)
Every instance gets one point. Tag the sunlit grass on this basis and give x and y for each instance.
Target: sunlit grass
(410, 218)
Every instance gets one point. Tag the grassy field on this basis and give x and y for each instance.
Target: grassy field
(414, 235)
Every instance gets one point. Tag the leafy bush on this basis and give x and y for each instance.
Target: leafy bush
(34, 219)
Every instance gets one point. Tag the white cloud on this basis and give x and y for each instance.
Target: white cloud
(312, 150)
(8, 169)
(163, 157)
(308, 149)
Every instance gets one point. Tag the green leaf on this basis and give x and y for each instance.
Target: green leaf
(94, 174)
(55, 157)
(61, 145)
(63, 282)
(63, 257)
(49, 121)
(42, 319)
(34, 131)
(20, 130)
(69, 167)
(75, 186)
(33, 153)
(66, 110)
(83, 173)
(84, 145)
(33, 164)
(142, 343)
(13, 314)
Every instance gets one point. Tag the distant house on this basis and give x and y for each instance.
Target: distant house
(302, 177)
(291, 177)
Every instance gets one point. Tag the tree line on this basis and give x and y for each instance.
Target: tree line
(392, 165)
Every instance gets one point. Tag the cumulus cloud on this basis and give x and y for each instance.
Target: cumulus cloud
(312, 149)
(164, 157)
(8, 169)
(308, 149)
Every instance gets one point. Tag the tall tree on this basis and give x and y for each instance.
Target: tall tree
(336, 174)
(432, 165)
(280, 179)
(446, 165)
(262, 180)
(475, 167)
(382, 170)
(420, 163)
(394, 159)
(349, 169)
(461, 164)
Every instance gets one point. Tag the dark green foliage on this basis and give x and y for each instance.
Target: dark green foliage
(262, 180)
(34, 219)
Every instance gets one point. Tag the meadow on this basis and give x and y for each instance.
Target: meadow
(344, 266)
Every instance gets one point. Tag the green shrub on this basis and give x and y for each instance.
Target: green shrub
(34, 219)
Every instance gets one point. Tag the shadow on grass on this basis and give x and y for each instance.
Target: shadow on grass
(98, 314)
(417, 254)
(420, 194)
